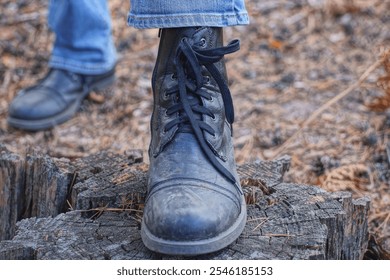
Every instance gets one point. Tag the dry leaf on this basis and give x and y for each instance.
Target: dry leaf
(97, 98)
(275, 44)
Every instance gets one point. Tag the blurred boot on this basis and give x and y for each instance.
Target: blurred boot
(55, 99)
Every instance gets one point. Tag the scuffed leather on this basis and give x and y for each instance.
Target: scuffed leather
(188, 199)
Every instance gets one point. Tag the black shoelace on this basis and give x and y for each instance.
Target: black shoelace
(189, 61)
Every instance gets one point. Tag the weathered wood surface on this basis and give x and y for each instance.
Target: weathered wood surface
(285, 221)
(30, 186)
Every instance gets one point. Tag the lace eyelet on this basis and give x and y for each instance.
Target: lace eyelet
(203, 43)
(164, 95)
(214, 117)
(211, 100)
(207, 80)
(173, 77)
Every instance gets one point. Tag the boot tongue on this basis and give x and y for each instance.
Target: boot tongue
(186, 127)
(193, 37)
(192, 99)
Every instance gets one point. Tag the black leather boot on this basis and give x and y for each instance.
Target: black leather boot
(55, 99)
(195, 204)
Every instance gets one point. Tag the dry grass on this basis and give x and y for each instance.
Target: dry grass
(295, 56)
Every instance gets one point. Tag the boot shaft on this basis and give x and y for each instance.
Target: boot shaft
(204, 37)
(191, 94)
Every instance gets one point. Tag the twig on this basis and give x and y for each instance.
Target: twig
(101, 210)
(383, 224)
(69, 205)
(75, 175)
(378, 215)
(260, 224)
(106, 209)
(279, 235)
(256, 219)
(332, 101)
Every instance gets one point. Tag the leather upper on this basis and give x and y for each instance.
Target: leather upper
(188, 197)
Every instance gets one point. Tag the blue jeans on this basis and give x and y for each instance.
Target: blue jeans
(83, 42)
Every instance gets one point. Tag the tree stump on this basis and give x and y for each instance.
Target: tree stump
(91, 208)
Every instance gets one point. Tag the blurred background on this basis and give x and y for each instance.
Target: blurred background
(312, 81)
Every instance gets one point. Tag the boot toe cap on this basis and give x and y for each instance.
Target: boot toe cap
(189, 213)
(34, 105)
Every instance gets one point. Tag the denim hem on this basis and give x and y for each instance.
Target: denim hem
(86, 68)
(171, 21)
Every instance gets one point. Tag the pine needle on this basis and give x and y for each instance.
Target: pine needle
(332, 101)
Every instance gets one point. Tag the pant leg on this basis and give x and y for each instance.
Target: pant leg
(182, 13)
(83, 42)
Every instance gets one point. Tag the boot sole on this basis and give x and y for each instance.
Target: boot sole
(67, 114)
(198, 247)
